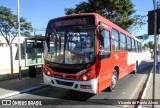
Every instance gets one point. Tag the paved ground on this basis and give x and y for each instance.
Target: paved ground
(150, 91)
(16, 86)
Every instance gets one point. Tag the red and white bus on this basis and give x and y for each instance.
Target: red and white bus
(88, 53)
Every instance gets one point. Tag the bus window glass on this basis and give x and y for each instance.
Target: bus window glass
(122, 42)
(139, 47)
(104, 44)
(129, 44)
(115, 40)
(57, 43)
(136, 44)
(133, 45)
(105, 41)
(71, 46)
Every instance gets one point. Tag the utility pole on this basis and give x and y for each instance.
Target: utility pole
(155, 50)
(19, 44)
(154, 4)
(155, 55)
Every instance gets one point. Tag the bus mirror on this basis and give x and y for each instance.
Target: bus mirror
(101, 34)
(100, 29)
(104, 53)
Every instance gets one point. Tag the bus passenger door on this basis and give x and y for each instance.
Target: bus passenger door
(104, 60)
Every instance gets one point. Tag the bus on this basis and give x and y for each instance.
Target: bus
(88, 53)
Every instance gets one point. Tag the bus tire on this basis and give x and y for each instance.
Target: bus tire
(136, 68)
(114, 81)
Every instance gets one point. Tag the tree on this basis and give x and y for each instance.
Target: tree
(146, 45)
(118, 11)
(139, 21)
(9, 26)
(149, 45)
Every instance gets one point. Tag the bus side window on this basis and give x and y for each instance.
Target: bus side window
(122, 42)
(115, 40)
(133, 45)
(104, 48)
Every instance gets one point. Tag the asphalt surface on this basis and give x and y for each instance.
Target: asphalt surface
(128, 87)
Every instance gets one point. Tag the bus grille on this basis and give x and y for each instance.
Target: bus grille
(65, 70)
(64, 83)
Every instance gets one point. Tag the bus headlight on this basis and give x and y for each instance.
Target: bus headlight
(87, 76)
(47, 72)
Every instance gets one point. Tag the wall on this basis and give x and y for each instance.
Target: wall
(5, 63)
(146, 56)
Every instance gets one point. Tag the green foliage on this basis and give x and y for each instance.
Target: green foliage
(118, 11)
(149, 45)
(9, 25)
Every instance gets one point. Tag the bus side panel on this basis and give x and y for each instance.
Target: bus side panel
(130, 68)
(120, 61)
(122, 64)
(131, 61)
(105, 74)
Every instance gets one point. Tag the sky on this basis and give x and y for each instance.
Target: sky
(39, 12)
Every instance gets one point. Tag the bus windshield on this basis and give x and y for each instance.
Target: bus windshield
(70, 46)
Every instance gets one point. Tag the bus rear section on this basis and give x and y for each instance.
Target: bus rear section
(78, 54)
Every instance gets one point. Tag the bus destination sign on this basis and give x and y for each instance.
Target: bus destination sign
(73, 21)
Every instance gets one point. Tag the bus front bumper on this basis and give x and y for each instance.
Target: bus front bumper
(84, 86)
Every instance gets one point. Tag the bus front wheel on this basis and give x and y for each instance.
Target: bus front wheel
(114, 81)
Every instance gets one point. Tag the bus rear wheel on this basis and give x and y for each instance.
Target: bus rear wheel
(114, 81)
(136, 68)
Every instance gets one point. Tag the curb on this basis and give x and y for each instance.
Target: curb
(23, 91)
(144, 89)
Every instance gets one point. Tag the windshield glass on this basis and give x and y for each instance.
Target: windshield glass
(70, 46)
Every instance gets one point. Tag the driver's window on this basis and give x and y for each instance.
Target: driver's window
(104, 44)
(105, 40)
